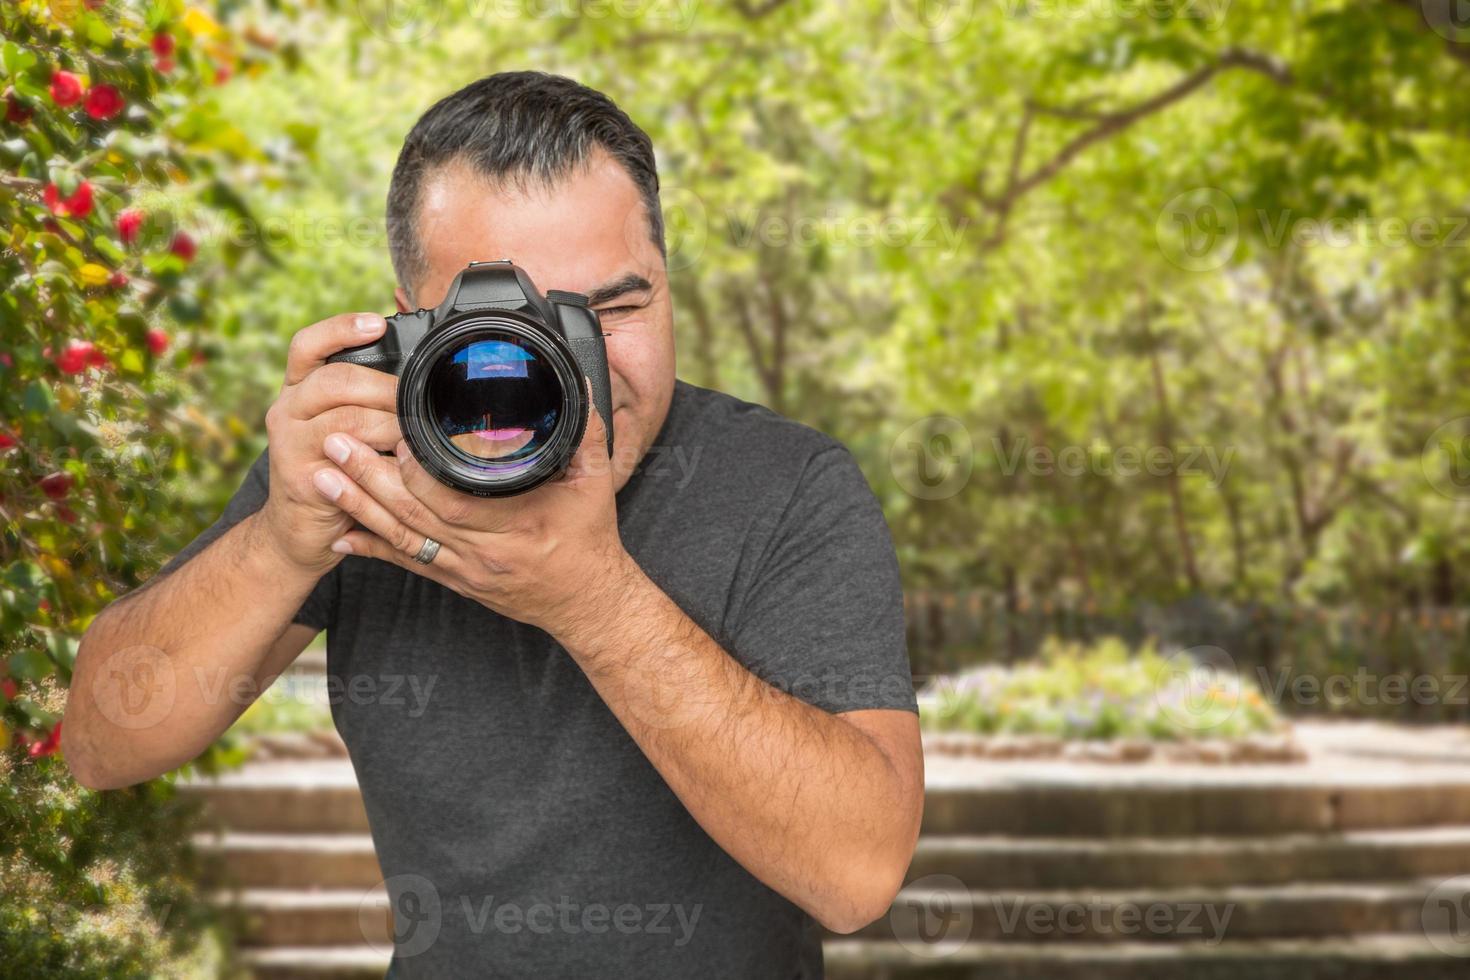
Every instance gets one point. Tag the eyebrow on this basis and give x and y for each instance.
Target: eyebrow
(630, 283)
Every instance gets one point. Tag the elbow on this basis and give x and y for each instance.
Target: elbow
(82, 763)
(862, 898)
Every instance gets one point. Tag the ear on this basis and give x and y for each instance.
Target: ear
(401, 298)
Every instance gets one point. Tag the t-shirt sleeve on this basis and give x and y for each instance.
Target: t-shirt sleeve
(823, 617)
(320, 607)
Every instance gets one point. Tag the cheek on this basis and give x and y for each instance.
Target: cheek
(637, 365)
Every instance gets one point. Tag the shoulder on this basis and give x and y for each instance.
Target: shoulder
(747, 435)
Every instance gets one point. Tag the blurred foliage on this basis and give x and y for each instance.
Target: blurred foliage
(1072, 227)
(97, 885)
(1105, 690)
(113, 148)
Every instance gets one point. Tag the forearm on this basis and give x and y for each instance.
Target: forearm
(804, 800)
(163, 671)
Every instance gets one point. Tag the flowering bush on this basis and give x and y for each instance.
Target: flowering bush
(112, 150)
(1105, 691)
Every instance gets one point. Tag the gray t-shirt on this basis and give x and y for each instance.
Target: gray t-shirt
(521, 831)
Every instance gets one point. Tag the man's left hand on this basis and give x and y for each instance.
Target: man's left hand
(551, 557)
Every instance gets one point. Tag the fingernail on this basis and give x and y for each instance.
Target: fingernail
(401, 450)
(342, 546)
(337, 448)
(327, 484)
(368, 323)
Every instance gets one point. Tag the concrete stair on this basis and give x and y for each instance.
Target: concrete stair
(1044, 871)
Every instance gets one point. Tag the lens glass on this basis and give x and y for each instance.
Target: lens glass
(495, 398)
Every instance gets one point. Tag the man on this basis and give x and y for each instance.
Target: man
(670, 721)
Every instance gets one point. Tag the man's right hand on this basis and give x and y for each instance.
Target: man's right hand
(316, 400)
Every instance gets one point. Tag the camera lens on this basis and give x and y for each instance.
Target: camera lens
(495, 399)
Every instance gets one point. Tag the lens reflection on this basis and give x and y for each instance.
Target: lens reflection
(494, 398)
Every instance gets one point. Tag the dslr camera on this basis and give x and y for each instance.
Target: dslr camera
(492, 383)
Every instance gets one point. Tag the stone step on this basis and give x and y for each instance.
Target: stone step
(298, 797)
(253, 860)
(1078, 800)
(1107, 863)
(334, 917)
(1366, 957)
(969, 797)
(1190, 914)
(267, 860)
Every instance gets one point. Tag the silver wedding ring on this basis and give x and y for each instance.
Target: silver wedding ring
(427, 552)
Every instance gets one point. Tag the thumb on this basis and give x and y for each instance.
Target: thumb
(591, 458)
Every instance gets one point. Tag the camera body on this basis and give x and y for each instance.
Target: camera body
(492, 399)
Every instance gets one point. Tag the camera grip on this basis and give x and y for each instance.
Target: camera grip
(591, 357)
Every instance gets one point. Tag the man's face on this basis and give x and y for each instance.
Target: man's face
(587, 234)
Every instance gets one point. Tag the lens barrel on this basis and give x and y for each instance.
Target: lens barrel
(492, 404)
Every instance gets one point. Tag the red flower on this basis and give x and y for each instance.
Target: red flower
(118, 280)
(129, 223)
(67, 515)
(79, 205)
(57, 485)
(8, 688)
(104, 102)
(15, 112)
(77, 355)
(66, 88)
(162, 44)
(46, 746)
(183, 246)
(165, 65)
(157, 342)
(6, 440)
(5, 359)
(222, 73)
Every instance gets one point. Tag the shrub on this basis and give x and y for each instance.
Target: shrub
(1105, 691)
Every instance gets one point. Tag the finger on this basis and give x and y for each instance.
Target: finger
(450, 506)
(378, 430)
(380, 478)
(332, 385)
(591, 459)
(314, 344)
(336, 486)
(368, 545)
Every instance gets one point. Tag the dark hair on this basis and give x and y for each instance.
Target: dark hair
(527, 126)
